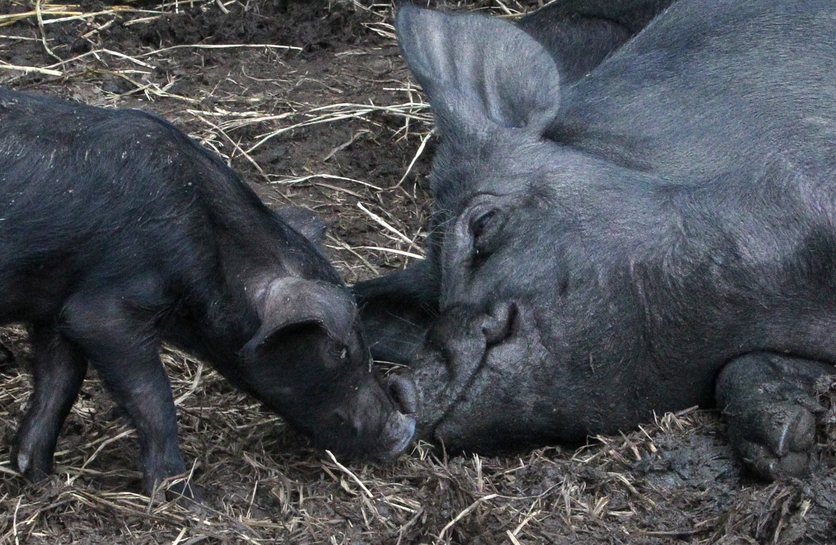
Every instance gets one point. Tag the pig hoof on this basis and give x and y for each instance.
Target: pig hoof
(770, 409)
(768, 466)
(401, 433)
(29, 465)
(181, 491)
(777, 442)
(406, 439)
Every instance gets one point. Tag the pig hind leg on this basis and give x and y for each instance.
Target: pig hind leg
(122, 344)
(58, 371)
(769, 406)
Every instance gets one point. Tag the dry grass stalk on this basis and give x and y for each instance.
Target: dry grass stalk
(36, 69)
(47, 13)
(344, 112)
(276, 47)
(377, 219)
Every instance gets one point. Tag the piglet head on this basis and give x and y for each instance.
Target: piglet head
(308, 361)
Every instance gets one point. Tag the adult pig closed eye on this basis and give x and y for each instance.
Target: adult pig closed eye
(118, 232)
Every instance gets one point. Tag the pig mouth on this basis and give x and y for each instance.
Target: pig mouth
(467, 359)
(456, 392)
(440, 391)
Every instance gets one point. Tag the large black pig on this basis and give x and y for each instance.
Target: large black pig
(117, 231)
(657, 233)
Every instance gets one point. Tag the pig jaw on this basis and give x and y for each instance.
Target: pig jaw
(366, 423)
(374, 422)
(487, 383)
(323, 383)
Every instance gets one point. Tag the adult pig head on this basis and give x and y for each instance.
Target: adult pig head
(494, 367)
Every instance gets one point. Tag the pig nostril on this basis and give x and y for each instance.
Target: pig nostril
(501, 323)
(403, 394)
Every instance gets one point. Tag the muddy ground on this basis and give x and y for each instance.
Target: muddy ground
(313, 106)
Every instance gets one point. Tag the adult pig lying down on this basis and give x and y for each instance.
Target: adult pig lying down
(658, 234)
(117, 232)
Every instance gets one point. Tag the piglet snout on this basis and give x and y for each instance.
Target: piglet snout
(401, 425)
(404, 394)
(377, 422)
(399, 428)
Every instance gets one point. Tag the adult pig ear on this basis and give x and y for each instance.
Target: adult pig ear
(306, 222)
(478, 70)
(294, 301)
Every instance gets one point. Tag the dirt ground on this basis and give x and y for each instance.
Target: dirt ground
(314, 107)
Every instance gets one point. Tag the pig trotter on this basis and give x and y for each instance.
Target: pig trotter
(58, 371)
(767, 401)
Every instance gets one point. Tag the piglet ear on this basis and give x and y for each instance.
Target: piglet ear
(478, 71)
(294, 301)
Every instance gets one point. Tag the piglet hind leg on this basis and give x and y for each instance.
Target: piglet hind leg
(123, 346)
(58, 371)
(768, 402)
